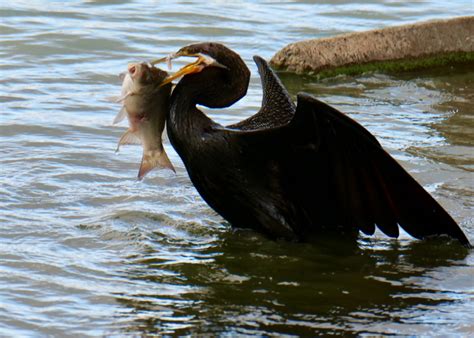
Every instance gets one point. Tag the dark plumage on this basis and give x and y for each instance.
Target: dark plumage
(289, 171)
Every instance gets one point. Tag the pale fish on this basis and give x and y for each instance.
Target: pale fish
(145, 103)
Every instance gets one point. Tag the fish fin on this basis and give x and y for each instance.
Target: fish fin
(120, 116)
(128, 138)
(152, 159)
(113, 99)
(123, 97)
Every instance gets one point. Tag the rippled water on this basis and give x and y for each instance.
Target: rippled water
(85, 249)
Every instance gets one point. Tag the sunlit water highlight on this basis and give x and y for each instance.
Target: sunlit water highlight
(85, 249)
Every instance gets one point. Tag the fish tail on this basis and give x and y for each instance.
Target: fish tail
(152, 159)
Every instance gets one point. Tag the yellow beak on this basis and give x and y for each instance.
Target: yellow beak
(197, 66)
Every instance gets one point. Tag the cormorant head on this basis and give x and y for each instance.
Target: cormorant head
(219, 76)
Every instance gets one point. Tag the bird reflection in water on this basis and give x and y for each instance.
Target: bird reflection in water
(243, 283)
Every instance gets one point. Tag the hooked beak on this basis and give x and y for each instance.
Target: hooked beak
(197, 66)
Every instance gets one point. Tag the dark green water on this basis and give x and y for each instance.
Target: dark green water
(86, 250)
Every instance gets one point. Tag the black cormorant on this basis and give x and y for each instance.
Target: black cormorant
(290, 171)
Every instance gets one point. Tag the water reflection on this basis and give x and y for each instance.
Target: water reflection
(457, 128)
(243, 283)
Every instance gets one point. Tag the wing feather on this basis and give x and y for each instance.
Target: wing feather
(353, 182)
(277, 107)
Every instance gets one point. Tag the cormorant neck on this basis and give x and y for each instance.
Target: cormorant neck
(213, 87)
(183, 112)
(185, 123)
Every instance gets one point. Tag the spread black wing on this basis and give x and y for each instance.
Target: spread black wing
(325, 171)
(277, 107)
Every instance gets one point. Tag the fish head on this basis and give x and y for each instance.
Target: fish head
(145, 74)
(139, 72)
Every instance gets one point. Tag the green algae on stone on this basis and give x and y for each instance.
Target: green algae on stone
(398, 66)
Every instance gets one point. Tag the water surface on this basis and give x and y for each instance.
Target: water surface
(87, 250)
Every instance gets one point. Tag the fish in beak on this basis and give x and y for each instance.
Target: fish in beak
(145, 103)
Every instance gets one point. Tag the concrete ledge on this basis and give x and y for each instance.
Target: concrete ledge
(405, 47)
